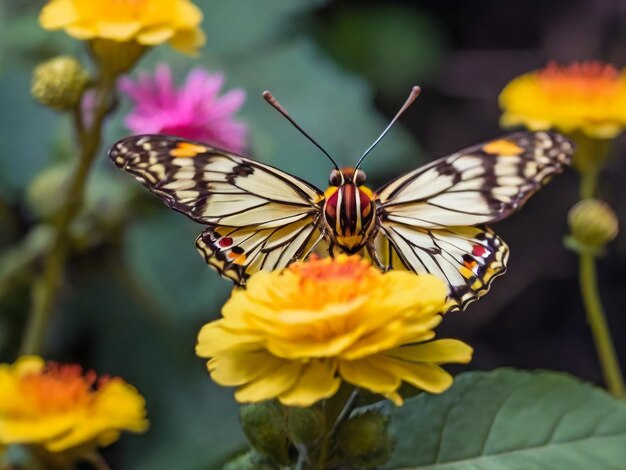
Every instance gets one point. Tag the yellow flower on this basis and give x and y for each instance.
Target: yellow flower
(147, 22)
(589, 97)
(294, 335)
(59, 408)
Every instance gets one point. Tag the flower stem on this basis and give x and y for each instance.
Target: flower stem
(46, 287)
(599, 328)
(588, 184)
(336, 409)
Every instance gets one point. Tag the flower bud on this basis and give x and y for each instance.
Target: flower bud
(263, 425)
(59, 83)
(304, 425)
(593, 224)
(364, 440)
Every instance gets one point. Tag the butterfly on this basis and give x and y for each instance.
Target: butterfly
(430, 220)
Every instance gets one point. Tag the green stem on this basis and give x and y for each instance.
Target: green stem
(45, 288)
(588, 184)
(599, 328)
(336, 409)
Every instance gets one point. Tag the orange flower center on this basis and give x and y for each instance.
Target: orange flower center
(58, 388)
(324, 281)
(586, 80)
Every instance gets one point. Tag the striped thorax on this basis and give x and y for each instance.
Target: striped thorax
(349, 209)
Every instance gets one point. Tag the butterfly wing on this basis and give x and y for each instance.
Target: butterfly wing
(237, 252)
(430, 220)
(258, 217)
(482, 184)
(466, 258)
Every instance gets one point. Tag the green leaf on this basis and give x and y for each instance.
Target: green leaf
(239, 26)
(26, 132)
(508, 419)
(160, 253)
(394, 46)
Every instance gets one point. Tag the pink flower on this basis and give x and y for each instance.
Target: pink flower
(194, 111)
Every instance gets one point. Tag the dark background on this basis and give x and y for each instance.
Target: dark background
(136, 293)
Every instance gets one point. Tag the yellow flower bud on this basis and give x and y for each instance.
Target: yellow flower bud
(59, 83)
(593, 224)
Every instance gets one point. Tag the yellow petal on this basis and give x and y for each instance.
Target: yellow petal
(312, 347)
(606, 131)
(118, 406)
(316, 382)
(188, 15)
(154, 36)
(271, 385)
(15, 431)
(367, 373)
(395, 398)
(441, 351)
(241, 367)
(188, 41)
(122, 31)
(384, 339)
(428, 377)
(29, 365)
(215, 338)
(58, 14)
(82, 32)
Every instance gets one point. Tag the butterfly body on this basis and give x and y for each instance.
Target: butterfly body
(349, 210)
(430, 220)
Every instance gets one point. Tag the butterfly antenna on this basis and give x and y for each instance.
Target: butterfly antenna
(277, 106)
(415, 92)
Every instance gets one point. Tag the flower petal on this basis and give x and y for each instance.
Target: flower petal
(441, 351)
(428, 377)
(117, 406)
(188, 41)
(154, 36)
(37, 429)
(270, 385)
(187, 14)
(370, 374)
(239, 368)
(316, 382)
(80, 31)
(215, 338)
(58, 14)
(119, 31)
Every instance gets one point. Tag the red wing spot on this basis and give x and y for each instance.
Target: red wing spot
(225, 242)
(479, 250)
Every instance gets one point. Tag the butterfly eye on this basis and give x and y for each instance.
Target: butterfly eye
(359, 177)
(335, 178)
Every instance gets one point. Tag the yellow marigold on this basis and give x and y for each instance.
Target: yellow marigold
(148, 22)
(589, 97)
(294, 335)
(58, 407)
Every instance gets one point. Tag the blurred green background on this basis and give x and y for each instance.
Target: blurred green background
(136, 292)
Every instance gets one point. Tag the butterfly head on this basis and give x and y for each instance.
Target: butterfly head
(349, 209)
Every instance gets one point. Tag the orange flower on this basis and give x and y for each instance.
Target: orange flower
(58, 407)
(589, 97)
